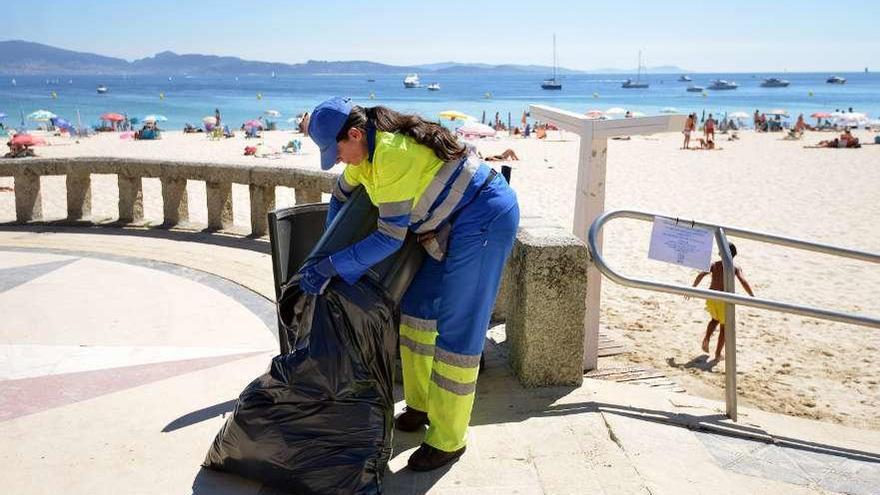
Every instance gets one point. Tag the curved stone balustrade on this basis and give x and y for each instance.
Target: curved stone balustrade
(542, 295)
(261, 181)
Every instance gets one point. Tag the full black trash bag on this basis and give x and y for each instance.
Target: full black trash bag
(320, 420)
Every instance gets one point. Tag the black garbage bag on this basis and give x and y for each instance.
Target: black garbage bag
(320, 420)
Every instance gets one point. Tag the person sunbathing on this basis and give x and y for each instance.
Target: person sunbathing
(707, 144)
(506, 155)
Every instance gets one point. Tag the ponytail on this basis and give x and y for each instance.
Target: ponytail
(442, 142)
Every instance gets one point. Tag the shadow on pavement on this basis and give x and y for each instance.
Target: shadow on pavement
(201, 415)
(234, 240)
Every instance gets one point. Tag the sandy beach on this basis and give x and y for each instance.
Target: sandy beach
(786, 363)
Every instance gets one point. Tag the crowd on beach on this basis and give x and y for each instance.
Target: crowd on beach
(215, 127)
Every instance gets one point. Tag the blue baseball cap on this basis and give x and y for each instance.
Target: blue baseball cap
(326, 121)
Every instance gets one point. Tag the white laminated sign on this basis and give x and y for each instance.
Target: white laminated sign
(679, 243)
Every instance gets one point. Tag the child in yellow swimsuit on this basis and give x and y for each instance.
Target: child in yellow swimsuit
(715, 308)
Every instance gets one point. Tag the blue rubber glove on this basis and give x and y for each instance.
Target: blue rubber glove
(315, 277)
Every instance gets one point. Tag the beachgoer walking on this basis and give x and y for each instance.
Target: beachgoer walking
(709, 129)
(689, 126)
(217, 118)
(422, 179)
(714, 307)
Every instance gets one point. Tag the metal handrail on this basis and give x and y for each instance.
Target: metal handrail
(728, 296)
(757, 302)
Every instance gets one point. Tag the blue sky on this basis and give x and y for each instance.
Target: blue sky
(737, 35)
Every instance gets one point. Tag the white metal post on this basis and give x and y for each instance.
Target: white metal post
(589, 200)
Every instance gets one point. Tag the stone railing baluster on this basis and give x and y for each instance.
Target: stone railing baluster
(131, 199)
(262, 201)
(175, 205)
(219, 198)
(79, 194)
(28, 196)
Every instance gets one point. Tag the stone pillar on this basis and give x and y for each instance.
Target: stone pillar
(79, 195)
(28, 197)
(175, 206)
(305, 196)
(220, 215)
(131, 199)
(262, 201)
(545, 320)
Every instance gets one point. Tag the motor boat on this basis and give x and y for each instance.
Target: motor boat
(775, 82)
(684, 78)
(553, 82)
(411, 81)
(695, 89)
(835, 80)
(721, 84)
(102, 89)
(434, 86)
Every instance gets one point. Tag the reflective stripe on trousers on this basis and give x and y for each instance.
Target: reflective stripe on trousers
(446, 314)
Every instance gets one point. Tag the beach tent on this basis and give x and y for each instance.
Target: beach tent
(41, 116)
(475, 129)
(854, 119)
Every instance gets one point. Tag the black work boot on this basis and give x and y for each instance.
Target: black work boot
(411, 420)
(426, 458)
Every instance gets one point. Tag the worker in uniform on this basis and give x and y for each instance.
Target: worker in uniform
(422, 179)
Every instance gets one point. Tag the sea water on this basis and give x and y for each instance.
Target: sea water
(185, 99)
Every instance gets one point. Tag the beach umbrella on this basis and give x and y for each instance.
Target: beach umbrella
(254, 123)
(455, 115)
(2, 115)
(615, 111)
(41, 116)
(113, 117)
(594, 114)
(27, 140)
(821, 115)
(210, 120)
(636, 114)
(272, 113)
(739, 115)
(778, 111)
(154, 118)
(670, 110)
(476, 129)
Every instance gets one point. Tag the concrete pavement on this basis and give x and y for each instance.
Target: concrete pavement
(122, 350)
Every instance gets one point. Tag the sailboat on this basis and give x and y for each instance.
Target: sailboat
(552, 83)
(637, 84)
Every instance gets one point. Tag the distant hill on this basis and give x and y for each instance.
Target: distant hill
(25, 57)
